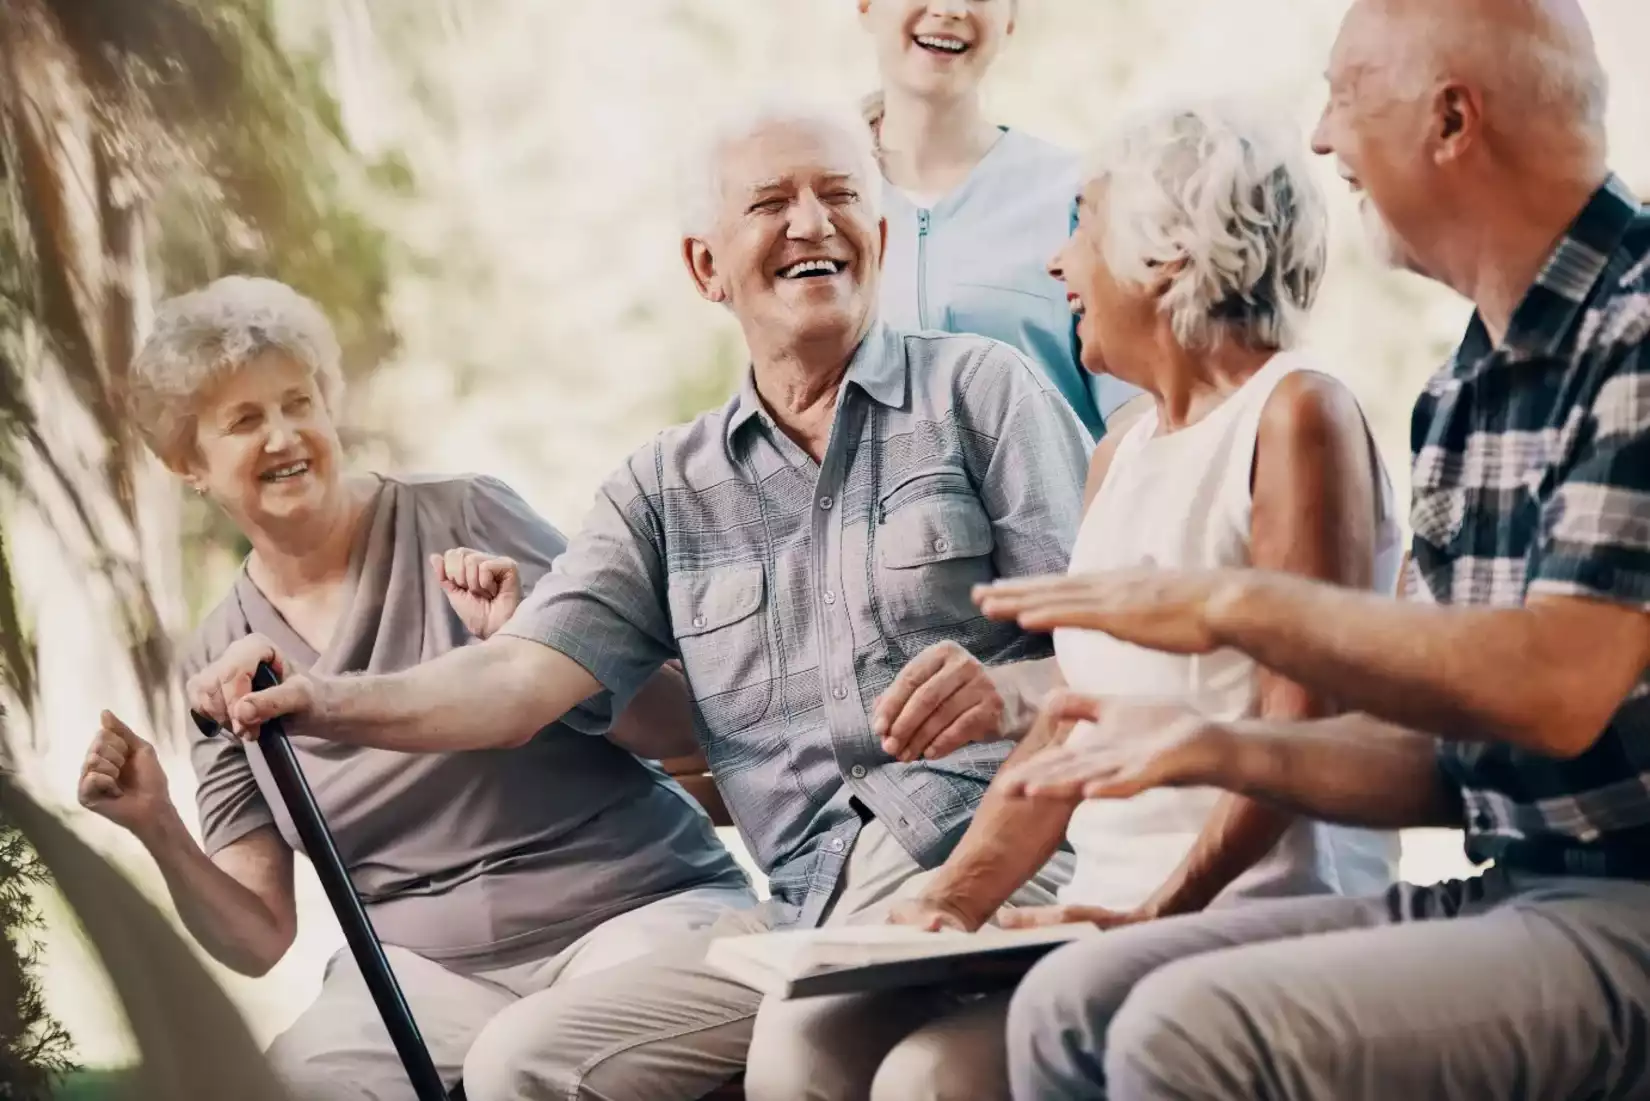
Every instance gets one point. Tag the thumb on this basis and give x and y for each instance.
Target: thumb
(111, 722)
(257, 708)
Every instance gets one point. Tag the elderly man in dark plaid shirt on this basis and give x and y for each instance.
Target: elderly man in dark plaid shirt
(1509, 697)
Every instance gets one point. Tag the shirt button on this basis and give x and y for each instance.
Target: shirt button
(830, 596)
(942, 545)
(857, 772)
(837, 845)
(698, 621)
(1480, 821)
(825, 503)
(840, 692)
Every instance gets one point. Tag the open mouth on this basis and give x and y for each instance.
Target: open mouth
(285, 473)
(1075, 304)
(945, 44)
(813, 269)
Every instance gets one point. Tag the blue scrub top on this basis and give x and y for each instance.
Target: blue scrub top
(977, 262)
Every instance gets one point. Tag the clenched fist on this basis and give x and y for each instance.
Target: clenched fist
(483, 589)
(121, 778)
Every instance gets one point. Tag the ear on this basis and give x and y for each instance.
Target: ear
(701, 266)
(1457, 119)
(1163, 276)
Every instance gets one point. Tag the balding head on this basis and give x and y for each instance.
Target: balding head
(1443, 110)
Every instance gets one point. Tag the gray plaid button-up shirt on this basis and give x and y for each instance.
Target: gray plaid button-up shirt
(794, 592)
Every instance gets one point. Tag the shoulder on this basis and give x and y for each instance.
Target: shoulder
(1034, 152)
(1309, 412)
(968, 368)
(221, 626)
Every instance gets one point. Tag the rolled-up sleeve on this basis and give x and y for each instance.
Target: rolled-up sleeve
(603, 602)
(1595, 527)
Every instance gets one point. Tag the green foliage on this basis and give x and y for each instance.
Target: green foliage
(34, 1049)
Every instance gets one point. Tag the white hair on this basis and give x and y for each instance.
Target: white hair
(210, 333)
(699, 176)
(1224, 200)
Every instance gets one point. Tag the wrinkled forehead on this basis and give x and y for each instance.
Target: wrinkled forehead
(1375, 38)
(787, 155)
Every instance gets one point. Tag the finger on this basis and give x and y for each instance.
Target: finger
(206, 697)
(96, 788)
(113, 724)
(112, 752)
(98, 765)
(974, 700)
(472, 572)
(453, 563)
(929, 696)
(438, 567)
(257, 708)
(1031, 917)
(915, 673)
(238, 685)
(250, 652)
(1006, 592)
(508, 574)
(1071, 707)
(979, 723)
(490, 575)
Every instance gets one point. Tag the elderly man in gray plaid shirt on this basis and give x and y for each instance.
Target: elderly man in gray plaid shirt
(808, 552)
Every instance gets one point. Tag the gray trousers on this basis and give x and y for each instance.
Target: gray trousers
(1503, 988)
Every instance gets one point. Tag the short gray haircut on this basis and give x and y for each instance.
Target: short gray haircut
(1224, 197)
(699, 176)
(208, 334)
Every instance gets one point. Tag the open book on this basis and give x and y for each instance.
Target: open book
(852, 959)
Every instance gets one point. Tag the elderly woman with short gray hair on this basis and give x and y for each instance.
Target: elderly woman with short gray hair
(492, 877)
(1198, 253)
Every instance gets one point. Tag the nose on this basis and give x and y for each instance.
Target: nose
(809, 220)
(280, 434)
(1057, 264)
(952, 8)
(1321, 144)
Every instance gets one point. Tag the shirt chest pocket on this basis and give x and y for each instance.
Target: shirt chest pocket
(724, 644)
(933, 544)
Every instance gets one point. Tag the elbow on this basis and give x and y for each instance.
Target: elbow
(1564, 729)
(257, 960)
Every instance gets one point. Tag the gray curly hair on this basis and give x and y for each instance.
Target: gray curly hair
(1224, 195)
(210, 333)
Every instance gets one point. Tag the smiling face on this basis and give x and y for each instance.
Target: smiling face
(1377, 129)
(796, 247)
(265, 446)
(1116, 319)
(937, 49)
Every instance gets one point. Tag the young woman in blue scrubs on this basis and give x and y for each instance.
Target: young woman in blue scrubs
(975, 211)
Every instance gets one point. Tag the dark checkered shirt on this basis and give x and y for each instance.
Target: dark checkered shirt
(1532, 477)
(794, 592)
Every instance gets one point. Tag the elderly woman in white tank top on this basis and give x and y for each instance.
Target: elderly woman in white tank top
(1198, 253)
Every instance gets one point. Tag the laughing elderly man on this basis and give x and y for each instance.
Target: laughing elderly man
(796, 549)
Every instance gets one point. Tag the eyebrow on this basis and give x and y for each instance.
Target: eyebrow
(781, 182)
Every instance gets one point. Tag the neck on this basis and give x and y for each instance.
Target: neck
(1512, 233)
(799, 382)
(289, 559)
(1188, 385)
(930, 144)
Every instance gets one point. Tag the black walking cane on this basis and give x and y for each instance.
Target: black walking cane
(352, 916)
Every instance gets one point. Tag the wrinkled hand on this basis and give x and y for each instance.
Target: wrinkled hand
(1132, 747)
(1039, 917)
(483, 589)
(223, 690)
(121, 778)
(1159, 609)
(942, 700)
(931, 915)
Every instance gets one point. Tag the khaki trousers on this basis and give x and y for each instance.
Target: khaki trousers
(667, 1027)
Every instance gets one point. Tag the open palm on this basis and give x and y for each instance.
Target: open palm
(1130, 748)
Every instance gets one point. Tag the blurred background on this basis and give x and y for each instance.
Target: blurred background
(480, 196)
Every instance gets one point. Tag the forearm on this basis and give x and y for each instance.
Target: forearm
(1007, 841)
(658, 723)
(1024, 685)
(1239, 832)
(495, 695)
(1473, 674)
(234, 925)
(1352, 770)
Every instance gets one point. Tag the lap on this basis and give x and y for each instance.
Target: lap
(339, 1049)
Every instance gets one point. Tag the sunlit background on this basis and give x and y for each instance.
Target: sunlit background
(481, 195)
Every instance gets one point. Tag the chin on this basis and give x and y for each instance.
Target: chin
(1383, 242)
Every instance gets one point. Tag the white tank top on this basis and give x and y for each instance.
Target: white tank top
(1181, 501)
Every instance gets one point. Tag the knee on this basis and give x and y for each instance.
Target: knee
(1181, 1032)
(1058, 1019)
(517, 1055)
(312, 1073)
(809, 1049)
(925, 1067)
